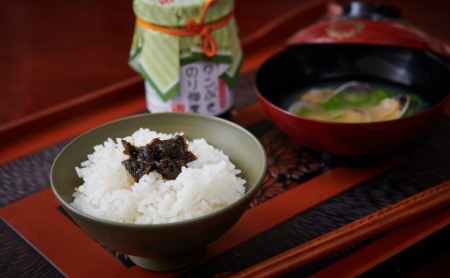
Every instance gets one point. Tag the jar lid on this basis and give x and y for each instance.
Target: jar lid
(369, 24)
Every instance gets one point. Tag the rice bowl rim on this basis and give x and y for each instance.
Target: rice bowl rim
(249, 193)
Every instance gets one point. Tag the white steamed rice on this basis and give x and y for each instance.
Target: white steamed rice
(109, 192)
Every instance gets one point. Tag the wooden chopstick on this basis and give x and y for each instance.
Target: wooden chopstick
(390, 217)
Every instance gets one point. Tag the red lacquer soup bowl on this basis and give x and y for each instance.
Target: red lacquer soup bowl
(319, 55)
(303, 66)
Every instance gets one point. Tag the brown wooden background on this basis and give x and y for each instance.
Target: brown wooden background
(53, 52)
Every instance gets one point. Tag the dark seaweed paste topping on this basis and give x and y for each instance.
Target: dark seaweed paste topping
(167, 157)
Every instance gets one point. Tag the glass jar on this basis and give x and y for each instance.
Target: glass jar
(188, 53)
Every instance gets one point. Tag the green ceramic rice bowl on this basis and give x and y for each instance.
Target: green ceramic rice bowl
(168, 246)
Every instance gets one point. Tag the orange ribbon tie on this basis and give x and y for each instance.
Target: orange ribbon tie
(194, 28)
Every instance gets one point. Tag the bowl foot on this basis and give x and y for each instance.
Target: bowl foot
(167, 263)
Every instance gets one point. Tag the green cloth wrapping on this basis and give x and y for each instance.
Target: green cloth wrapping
(158, 56)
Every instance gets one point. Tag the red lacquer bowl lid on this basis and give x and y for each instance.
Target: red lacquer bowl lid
(369, 23)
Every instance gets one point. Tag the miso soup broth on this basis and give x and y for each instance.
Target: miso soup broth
(354, 102)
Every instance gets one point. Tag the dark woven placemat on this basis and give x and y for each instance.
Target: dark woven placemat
(428, 163)
(22, 177)
(19, 259)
